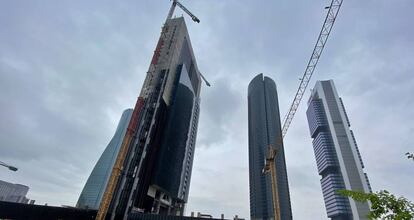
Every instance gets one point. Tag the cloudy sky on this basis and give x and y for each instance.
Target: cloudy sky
(69, 68)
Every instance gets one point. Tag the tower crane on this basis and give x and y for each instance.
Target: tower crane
(171, 12)
(333, 10)
(330, 18)
(132, 127)
(270, 167)
(195, 19)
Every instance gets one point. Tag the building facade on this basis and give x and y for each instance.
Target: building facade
(337, 156)
(158, 165)
(265, 130)
(11, 192)
(95, 186)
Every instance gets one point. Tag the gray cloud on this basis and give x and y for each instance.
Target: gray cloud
(224, 102)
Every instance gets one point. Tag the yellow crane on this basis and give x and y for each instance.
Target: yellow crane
(118, 166)
(270, 166)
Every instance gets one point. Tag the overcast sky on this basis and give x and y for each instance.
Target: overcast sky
(69, 68)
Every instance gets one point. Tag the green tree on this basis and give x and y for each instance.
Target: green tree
(384, 205)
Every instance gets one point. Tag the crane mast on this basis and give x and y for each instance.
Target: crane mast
(333, 10)
(270, 167)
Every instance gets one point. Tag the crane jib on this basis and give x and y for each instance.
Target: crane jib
(330, 18)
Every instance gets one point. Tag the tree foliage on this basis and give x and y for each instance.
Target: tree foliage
(384, 205)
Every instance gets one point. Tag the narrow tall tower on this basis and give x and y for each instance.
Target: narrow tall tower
(337, 156)
(265, 130)
(95, 186)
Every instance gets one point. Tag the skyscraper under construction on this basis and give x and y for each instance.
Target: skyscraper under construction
(155, 162)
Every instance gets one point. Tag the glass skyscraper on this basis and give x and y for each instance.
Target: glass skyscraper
(95, 186)
(337, 156)
(265, 130)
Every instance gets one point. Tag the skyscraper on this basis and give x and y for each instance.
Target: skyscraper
(95, 186)
(156, 171)
(265, 130)
(337, 156)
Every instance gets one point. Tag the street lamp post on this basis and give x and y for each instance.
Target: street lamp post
(12, 168)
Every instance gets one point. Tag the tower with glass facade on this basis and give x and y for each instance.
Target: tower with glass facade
(265, 130)
(337, 156)
(95, 186)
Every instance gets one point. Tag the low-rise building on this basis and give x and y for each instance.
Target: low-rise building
(11, 192)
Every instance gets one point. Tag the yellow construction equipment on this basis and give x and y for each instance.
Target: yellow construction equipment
(118, 166)
(271, 167)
